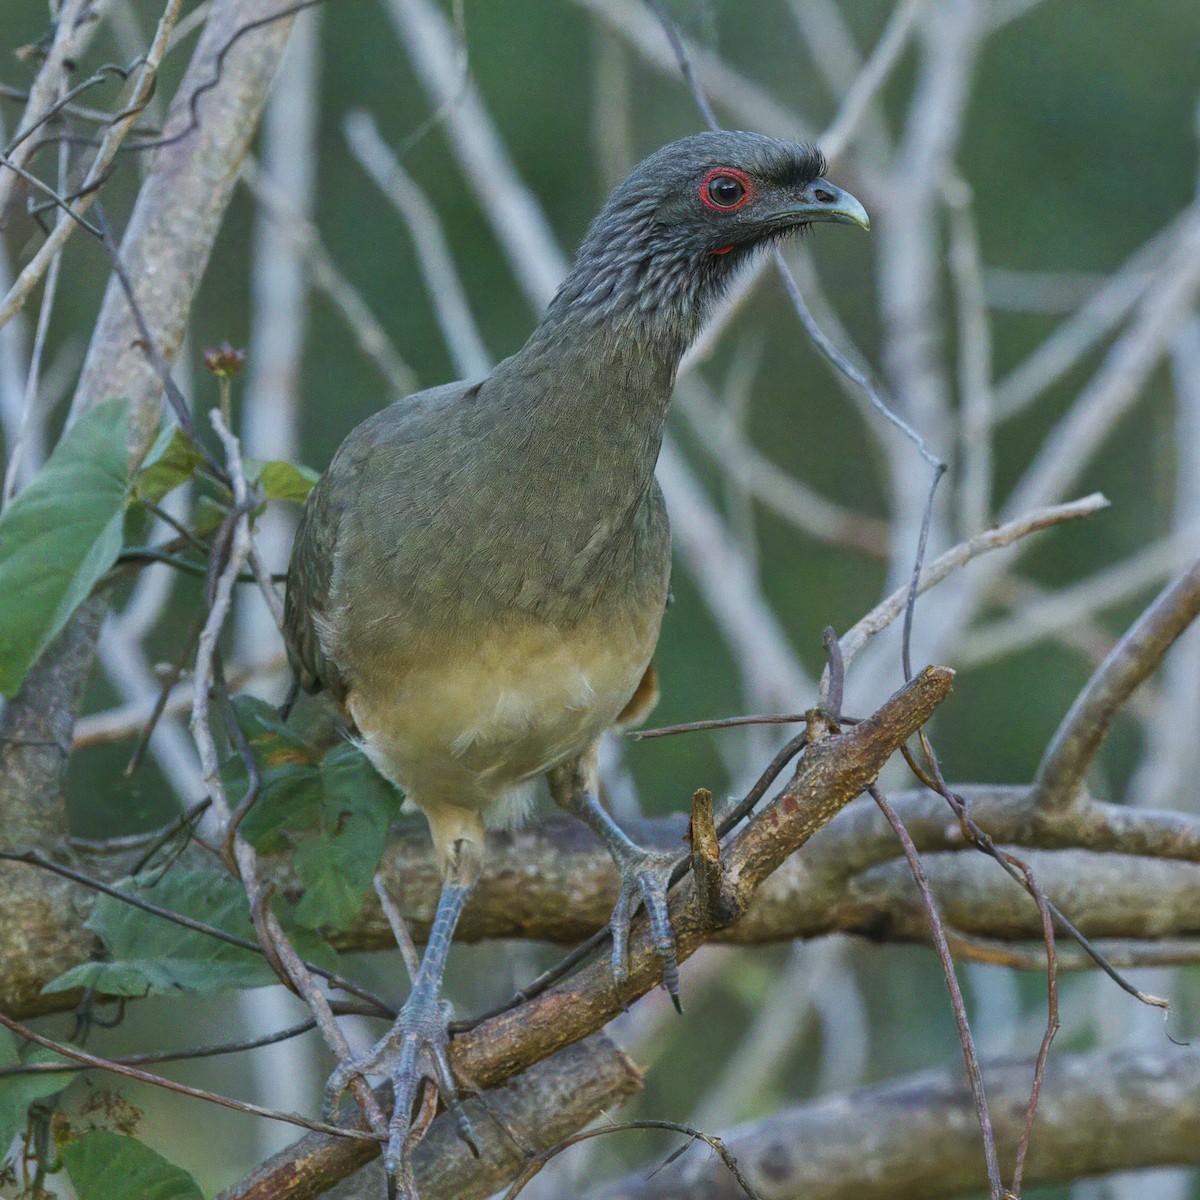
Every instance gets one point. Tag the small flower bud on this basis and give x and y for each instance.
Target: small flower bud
(224, 361)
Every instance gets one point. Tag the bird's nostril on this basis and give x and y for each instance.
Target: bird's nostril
(823, 197)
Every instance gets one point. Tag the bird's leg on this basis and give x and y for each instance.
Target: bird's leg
(645, 874)
(414, 1050)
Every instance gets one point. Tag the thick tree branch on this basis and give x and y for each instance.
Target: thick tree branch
(916, 1139)
(556, 883)
(549, 1102)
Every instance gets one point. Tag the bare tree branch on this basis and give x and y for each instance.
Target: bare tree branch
(554, 884)
(1118, 383)
(446, 294)
(548, 1102)
(915, 1138)
(1064, 766)
(326, 277)
(1051, 613)
(742, 97)
(883, 614)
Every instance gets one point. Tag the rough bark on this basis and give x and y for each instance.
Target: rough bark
(917, 1139)
(1119, 872)
(551, 1101)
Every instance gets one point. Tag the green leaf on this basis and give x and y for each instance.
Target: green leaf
(59, 535)
(337, 809)
(18, 1092)
(148, 954)
(207, 516)
(288, 804)
(110, 1166)
(290, 797)
(336, 866)
(173, 460)
(282, 480)
(265, 731)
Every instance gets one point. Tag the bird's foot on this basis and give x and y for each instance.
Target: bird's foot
(645, 878)
(412, 1053)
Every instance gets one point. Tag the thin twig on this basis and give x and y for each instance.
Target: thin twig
(718, 723)
(1052, 1021)
(970, 1057)
(327, 277)
(160, 701)
(1077, 335)
(274, 941)
(868, 82)
(150, 348)
(399, 927)
(103, 1064)
(442, 282)
(884, 613)
(773, 487)
(974, 835)
(1070, 608)
(974, 362)
(45, 94)
(1089, 422)
(30, 424)
(161, 1056)
(129, 720)
(535, 1164)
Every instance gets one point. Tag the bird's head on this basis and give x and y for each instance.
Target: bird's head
(672, 235)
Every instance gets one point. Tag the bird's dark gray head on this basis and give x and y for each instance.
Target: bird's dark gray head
(673, 234)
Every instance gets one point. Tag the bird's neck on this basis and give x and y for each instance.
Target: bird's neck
(600, 391)
(603, 358)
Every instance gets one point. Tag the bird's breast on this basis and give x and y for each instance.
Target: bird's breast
(464, 721)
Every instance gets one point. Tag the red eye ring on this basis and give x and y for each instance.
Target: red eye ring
(716, 173)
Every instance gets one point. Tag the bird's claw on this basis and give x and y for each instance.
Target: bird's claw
(413, 1052)
(645, 878)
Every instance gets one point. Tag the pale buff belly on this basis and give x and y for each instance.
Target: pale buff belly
(472, 727)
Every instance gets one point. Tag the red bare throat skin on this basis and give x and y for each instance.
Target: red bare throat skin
(721, 250)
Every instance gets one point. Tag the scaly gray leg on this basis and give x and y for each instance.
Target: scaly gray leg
(414, 1049)
(645, 877)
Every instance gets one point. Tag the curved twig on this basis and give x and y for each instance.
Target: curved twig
(1064, 766)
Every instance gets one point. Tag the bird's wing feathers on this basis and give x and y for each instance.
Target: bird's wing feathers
(310, 577)
(371, 461)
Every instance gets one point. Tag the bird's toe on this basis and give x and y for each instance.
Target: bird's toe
(645, 879)
(414, 1052)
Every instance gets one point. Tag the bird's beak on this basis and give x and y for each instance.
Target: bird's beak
(824, 201)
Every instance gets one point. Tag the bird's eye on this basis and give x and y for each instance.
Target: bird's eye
(725, 189)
